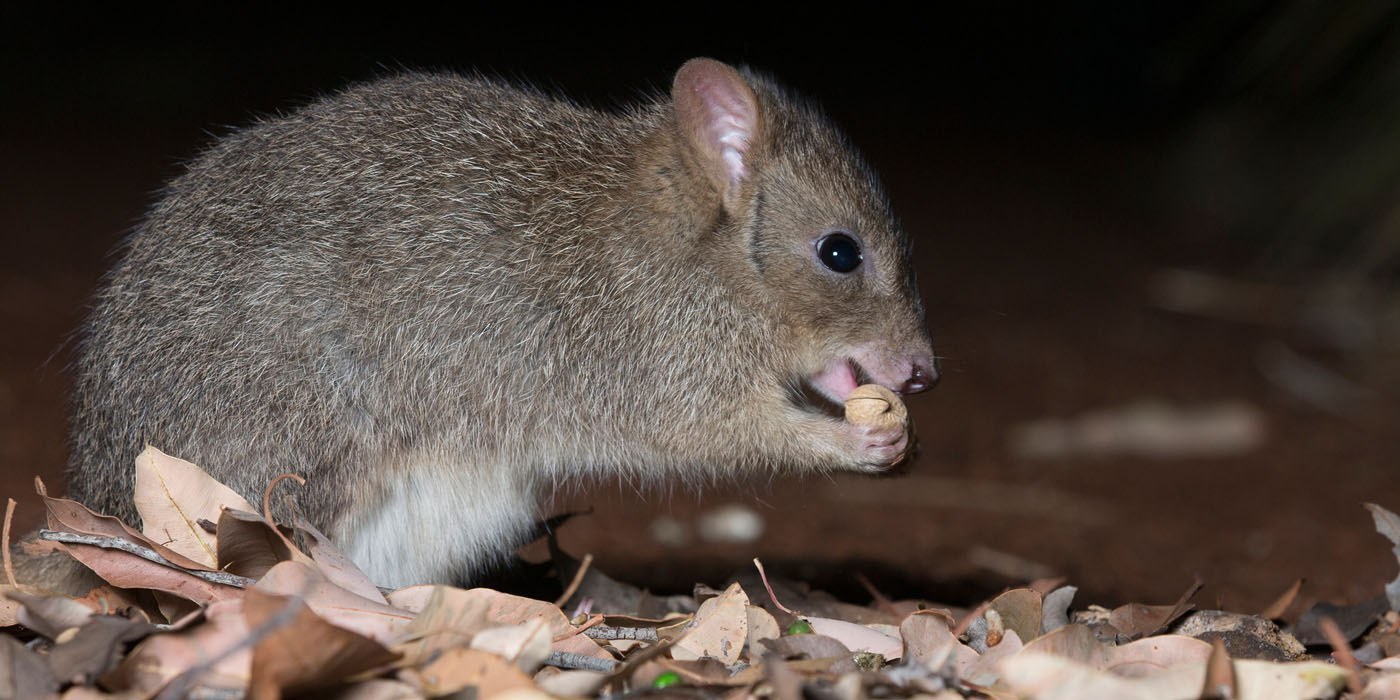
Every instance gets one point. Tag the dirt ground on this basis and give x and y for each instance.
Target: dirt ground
(1034, 252)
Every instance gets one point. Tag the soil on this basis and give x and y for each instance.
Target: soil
(1034, 249)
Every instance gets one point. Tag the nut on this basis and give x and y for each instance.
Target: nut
(874, 405)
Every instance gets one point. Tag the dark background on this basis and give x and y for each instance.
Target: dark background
(1051, 161)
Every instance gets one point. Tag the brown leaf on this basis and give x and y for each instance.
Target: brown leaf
(1022, 610)
(125, 570)
(836, 657)
(48, 614)
(452, 616)
(23, 673)
(302, 651)
(1136, 620)
(719, 630)
(95, 649)
(1388, 524)
(1353, 620)
(173, 495)
(72, 516)
(382, 623)
(338, 568)
(218, 648)
(247, 546)
(458, 668)
(858, 637)
(929, 642)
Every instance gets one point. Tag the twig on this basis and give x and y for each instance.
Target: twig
(605, 633)
(9, 566)
(885, 603)
(764, 575)
(1341, 651)
(220, 577)
(576, 582)
(570, 660)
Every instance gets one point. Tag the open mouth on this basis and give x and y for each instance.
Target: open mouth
(827, 390)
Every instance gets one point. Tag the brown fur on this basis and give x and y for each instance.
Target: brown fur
(450, 270)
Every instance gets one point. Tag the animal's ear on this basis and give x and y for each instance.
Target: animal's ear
(718, 116)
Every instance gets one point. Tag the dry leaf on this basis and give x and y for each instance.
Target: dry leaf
(173, 495)
(1388, 524)
(1022, 610)
(72, 516)
(572, 683)
(95, 649)
(526, 645)
(458, 668)
(858, 637)
(337, 567)
(761, 625)
(719, 629)
(300, 651)
(217, 647)
(382, 623)
(379, 689)
(247, 546)
(46, 613)
(930, 642)
(1054, 610)
(452, 616)
(23, 673)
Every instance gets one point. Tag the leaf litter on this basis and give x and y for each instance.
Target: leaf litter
(210, 599)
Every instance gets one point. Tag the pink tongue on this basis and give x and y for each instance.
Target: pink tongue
(837, 380)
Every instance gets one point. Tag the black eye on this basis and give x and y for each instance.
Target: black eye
(839, 252)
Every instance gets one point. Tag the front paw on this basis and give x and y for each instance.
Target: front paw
(878, 427)
(877, 448)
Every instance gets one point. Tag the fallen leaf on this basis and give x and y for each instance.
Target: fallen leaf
(247, 546)
(173, 495)
(72, 516)
(719, 629)
(929, 641)
(125, 570)
(1055, 608)
(1388, 524)
(452, 616)
(1151, 655)
(378, 689)
(572, 683)
(458, 668)
(383, 623)
(46, 613)
(337, 567)
(1353, 620)
(858, 637)
(1265, 680)
(96, 648)
(1022, 610)
(761, 625)
(1135, 620)
(299, 651)
(1052, 677)
(984, 672)
(217, 648)
(526, 645)
(23, 673)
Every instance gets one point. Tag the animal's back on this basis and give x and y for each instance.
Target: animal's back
(327, 292)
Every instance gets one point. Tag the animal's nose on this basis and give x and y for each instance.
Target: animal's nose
(923, 375)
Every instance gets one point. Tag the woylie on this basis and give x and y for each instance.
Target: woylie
(439, 298)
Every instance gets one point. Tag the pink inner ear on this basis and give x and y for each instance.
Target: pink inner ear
(730, 124)
(722, 115)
